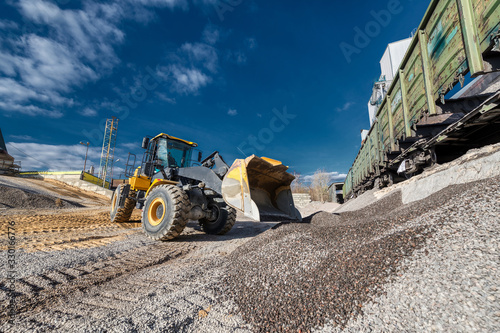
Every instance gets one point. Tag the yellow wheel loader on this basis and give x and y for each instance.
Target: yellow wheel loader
(172, 189)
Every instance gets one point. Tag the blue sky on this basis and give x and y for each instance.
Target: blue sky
(243, 77)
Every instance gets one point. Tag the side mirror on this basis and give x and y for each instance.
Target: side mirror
(145, 143)
(199, 156)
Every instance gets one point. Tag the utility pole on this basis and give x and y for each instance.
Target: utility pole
(86, 153)
(108, 149)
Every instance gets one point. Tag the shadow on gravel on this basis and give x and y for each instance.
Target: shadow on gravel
(240, 230)
(305, 220)
(303, 274)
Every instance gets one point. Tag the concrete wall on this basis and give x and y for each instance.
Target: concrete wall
(301, 199)
(73, 179)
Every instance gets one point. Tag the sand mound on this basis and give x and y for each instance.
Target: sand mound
(11, 197)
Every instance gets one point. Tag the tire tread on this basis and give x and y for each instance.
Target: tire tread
(181, 205)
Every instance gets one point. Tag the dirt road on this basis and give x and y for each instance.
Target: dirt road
(78, 271)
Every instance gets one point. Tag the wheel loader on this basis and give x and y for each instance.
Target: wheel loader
(171, 189)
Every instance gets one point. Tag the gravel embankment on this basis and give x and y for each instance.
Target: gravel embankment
(302, 276)
(11, 197)
(452, 284)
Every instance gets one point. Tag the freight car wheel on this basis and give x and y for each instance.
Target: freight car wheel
(223, 221)
(390, 181)
(432, 157)
(122, 215)
(164, 216)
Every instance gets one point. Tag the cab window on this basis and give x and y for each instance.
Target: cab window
(173, 154)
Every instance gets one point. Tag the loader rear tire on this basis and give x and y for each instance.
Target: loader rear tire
(226, 218)
(164, 216)
(122, 215)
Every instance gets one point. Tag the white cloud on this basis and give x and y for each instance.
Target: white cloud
(51, 66)
(15, 97)
(67, 49)
(30, 110)
(188, 80)
(88, 112)
(36, 156)
(211, 34)
(345, 107)
(251, 43)
(162, 3)
(334, 176)
(232, 112)
(131, 145)
(202, 54)
(90, 33)
(43, 157)
(22, 137)
(192, 66)
(165, 98)
(77, 47)
(239, 57)
(6, 24)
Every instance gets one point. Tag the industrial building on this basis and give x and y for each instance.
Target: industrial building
(7, 164)
(336, 193)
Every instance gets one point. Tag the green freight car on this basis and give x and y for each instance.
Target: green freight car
(416, 126)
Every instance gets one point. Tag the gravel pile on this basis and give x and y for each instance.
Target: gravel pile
(11, 197)
(453, 283)
(302, 276)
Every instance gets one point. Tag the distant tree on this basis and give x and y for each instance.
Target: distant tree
(297, 185)
(319, 185)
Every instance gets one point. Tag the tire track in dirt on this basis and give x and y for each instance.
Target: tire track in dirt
(169, 297)
(56, 232)
(35, 293)
(161, 286)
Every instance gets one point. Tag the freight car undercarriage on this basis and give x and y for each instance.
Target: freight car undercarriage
(439, 139)
(415, 126)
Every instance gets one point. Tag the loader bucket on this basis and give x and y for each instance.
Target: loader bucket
(260, 188)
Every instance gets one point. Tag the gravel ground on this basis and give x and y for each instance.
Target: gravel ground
(317, 206)
(303, 276)
(431, 265)
(130, 285)
(40, 262)
(452, 283)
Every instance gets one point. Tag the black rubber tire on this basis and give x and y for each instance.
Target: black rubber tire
(226, 218)
(121, 215)
(174, 207)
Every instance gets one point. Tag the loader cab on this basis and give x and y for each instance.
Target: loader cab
(165, 151)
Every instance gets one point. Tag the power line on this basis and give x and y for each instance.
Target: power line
(44, 163)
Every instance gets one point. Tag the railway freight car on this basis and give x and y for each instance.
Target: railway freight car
(416, 125)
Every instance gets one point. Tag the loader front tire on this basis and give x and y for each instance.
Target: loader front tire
(122, 215)
(164, 216)
(226, 217)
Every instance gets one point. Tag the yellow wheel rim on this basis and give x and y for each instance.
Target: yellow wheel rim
(153, 217)
(113, 205)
